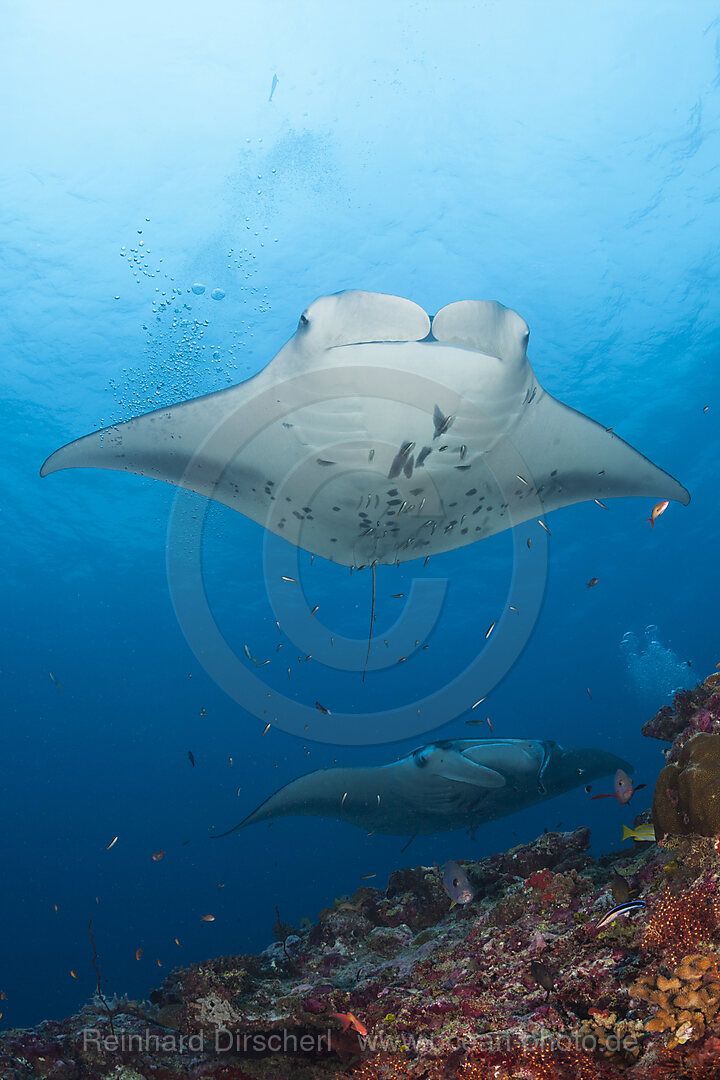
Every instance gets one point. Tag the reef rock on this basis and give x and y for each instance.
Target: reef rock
(692, 710)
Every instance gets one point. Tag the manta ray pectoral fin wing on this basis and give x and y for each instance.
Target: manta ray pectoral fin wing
(454, 766)
(161, 444)
(574, 459)
(318, 793)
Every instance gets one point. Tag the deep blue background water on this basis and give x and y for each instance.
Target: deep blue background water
(560, 158)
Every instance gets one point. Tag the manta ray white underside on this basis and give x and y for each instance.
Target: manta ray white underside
(378, 435)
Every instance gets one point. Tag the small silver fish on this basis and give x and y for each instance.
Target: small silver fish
(457, 885)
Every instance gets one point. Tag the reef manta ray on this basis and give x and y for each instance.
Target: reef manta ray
(444, 785)
(377, 435)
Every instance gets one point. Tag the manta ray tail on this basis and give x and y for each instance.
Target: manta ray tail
(217, 836)
(372, 618)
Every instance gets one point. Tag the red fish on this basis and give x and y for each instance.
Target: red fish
(349, 1020)
(157, 856)
(592, 582)
(657, 510)
(624, 789)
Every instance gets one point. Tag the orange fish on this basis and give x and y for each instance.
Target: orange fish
(3, 995)
(657, 510)
(74, 976)
(208, 918)
(157, 856)
(138, 954)
(349, 1020)
(591, 582)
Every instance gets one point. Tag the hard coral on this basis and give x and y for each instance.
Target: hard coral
(686, 1002)
(687, 792)
(618, 1039)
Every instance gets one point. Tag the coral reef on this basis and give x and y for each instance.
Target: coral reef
(519, 984)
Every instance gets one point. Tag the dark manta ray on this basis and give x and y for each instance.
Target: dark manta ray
(379, 435)
(444, 785)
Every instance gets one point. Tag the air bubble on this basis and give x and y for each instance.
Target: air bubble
(218, 294)
(198, 289)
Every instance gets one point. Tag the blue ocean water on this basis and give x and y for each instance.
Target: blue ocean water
(560, 158)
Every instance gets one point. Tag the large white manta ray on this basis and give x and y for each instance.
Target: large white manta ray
(378, 435)
(453, 784)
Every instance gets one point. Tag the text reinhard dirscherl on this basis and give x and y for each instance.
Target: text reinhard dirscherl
(223, 1041)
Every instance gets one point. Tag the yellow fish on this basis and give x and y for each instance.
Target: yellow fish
(644, 833)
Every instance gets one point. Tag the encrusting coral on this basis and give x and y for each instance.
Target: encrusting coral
(520, 984)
